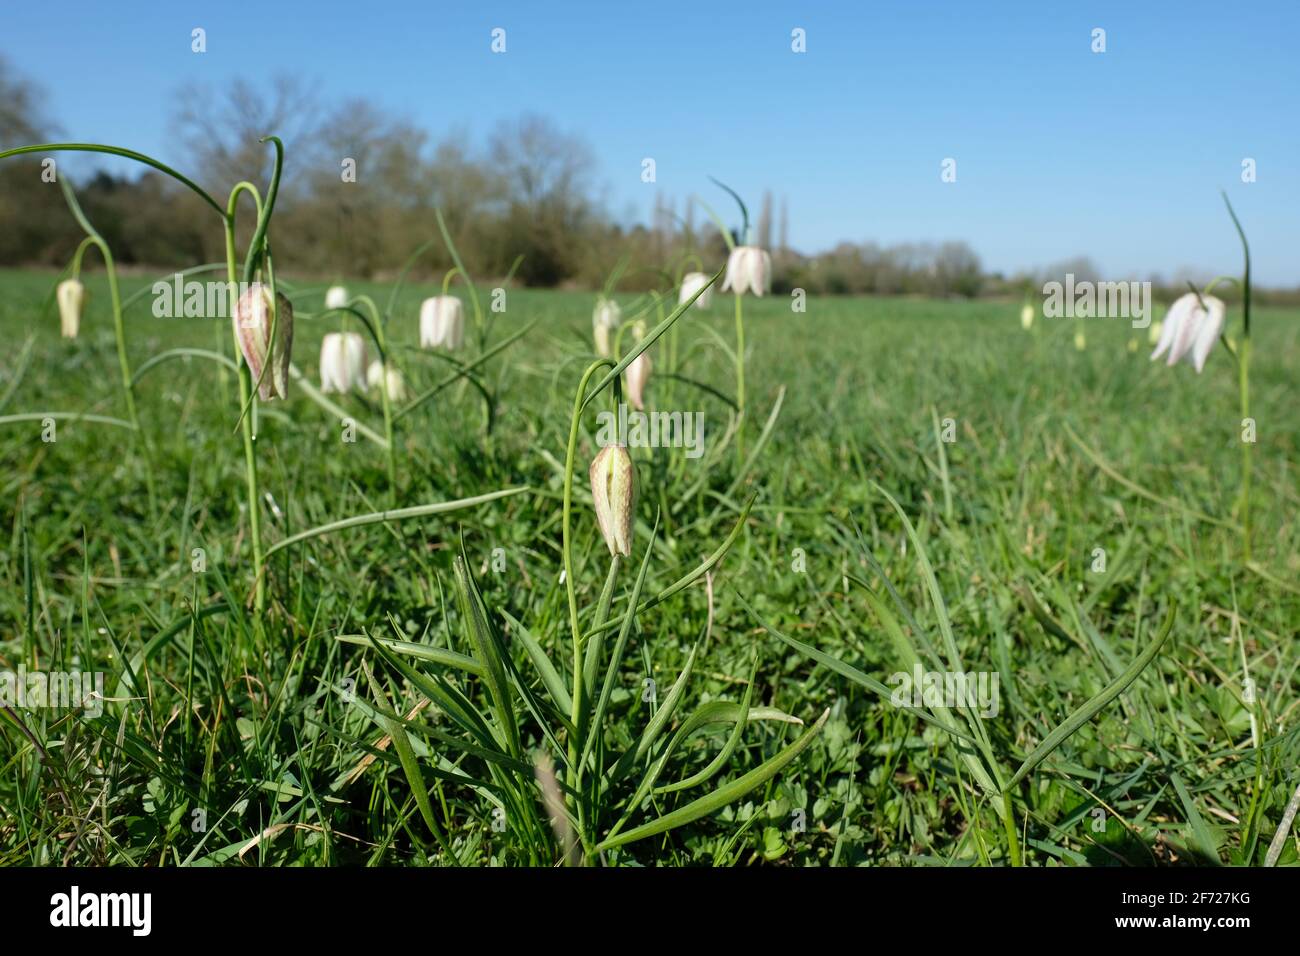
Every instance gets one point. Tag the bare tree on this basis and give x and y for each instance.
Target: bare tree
(784, 233)
(20, 109)
(222, 130)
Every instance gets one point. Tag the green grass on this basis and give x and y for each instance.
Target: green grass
(272, 727)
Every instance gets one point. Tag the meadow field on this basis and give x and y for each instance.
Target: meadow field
(917, 483)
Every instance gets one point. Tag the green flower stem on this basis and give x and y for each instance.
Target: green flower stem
(117, 151)
(464, 274)
(381, 340)
(1243, 373)
(446, 279)
(566, 543)
(246, 396)
(119, 330)
(1009, 823)
(740, 379)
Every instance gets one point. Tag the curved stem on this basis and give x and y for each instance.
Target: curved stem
(446, 279)
(246, 396)
(473, 293)
(93, 238)
(689, 259)
(1245, 279)
(257, 245)
(118, 151)
(1243, 379)
(384, 400)
(401, 276)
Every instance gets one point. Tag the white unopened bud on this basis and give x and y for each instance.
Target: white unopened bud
(71, 295)
(613, 489)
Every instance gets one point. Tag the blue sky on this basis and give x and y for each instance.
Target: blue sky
(1060, 151)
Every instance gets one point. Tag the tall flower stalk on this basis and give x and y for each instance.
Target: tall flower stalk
(1243, 382)
(1189, 330)
(375, 325)
(749, 269)
(95, 240)
(258, 257)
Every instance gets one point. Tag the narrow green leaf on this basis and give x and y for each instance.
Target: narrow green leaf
(723, 795)
(425, 652)
(551, 678)
(1086, 712)
(487, 648)
(399, 514)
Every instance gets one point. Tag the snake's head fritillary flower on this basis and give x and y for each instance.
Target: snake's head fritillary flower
(390, 380)
(254, 320)
(342, 362)
(1080, 340)
(336, 297)
(71, 295)
(637, 373)
(442, 323)
(613, 489)
(605, 318)
(606, 313)
(1027, 317)
(749, 269)
(1190, 328)
(692, 283)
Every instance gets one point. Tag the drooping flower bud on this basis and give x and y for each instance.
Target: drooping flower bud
(613, 489)
(1190, 330)
(1080, 341)
(692, 282)
(342, 362)
(253, 319)
(638, 372)
(391, 381)
(442, 323)
(71, 295)
(749, 269)
(336, 297)
(1027, 317)
(605, 318)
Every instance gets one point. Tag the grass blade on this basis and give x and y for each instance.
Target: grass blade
(1086, 712)
(724, 795)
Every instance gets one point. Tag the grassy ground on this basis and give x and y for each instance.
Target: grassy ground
(226, 728)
